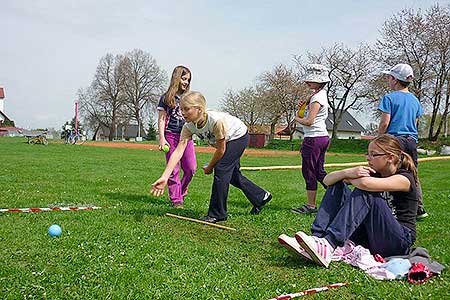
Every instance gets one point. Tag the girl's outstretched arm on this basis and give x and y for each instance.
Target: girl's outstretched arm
(159, 185)
(347, 174)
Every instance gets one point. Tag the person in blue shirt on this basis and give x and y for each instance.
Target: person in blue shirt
(400, 111)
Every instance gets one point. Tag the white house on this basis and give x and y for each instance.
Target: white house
(3, 116)
(6, 129)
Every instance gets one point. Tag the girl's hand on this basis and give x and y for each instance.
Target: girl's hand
(162, 143)
(207, 170)
(358, 172)
(158, 187)
(302, 103)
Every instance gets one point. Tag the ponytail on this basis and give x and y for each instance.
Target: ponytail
(390, 144)
(406, 162)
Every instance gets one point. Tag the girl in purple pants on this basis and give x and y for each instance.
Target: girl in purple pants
(170, 123)
(316, 139)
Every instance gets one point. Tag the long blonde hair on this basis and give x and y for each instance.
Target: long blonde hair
(390, 145)
(169, 95)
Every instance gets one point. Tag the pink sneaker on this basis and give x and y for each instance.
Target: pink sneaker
(291, 244)
(319, 249)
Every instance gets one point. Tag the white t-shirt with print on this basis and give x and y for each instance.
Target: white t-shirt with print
(319, 127)
(218, 125)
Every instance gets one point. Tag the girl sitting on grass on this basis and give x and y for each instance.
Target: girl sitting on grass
(379, 214)
(229, 136)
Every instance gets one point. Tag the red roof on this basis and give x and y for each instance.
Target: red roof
(2, 93)
(9, 128)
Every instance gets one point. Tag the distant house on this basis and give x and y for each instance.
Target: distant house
(348, 128)
(3, 117)
(10, 131)
(260, 135)
(123, 132)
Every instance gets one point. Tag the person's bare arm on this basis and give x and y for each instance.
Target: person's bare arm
(347, 174)
(384, 123)
(159, 185)
(162, 115)
(313, 111)
(221, 146)
(394, 183)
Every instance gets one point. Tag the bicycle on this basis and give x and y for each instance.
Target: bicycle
(70, 137)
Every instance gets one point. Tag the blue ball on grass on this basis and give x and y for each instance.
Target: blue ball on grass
(54, 230)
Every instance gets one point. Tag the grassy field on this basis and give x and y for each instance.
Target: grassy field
(133, 251)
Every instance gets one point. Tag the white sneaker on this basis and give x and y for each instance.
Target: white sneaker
(291, 244)
(319, 249)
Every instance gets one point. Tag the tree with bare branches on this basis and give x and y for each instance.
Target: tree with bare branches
(246, 105)
(108, 90)
(281, 88)
(144, 82)
(123, 90)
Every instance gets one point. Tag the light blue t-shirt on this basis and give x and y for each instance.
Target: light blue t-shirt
(404, 109)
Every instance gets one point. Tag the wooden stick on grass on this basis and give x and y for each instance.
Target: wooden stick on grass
(200, 221)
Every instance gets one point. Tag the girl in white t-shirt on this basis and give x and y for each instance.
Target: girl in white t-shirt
(229, 136)
(316, 139)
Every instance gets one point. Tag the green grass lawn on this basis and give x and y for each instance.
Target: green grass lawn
(133, 251)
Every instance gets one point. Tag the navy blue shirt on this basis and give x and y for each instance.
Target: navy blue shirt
(404, 204)
(174, 118)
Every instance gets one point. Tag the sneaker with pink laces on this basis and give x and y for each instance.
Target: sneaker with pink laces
(291, 244)
(319, 249)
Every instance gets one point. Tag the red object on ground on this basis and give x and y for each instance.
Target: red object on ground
(419, 273)
(310, 291)
(41, 209)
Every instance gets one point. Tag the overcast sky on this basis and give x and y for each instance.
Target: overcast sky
(49, 49)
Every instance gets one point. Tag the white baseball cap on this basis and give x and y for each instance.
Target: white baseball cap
(402, 72)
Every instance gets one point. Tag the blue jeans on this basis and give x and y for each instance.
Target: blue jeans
(226, 171)
(363, 217)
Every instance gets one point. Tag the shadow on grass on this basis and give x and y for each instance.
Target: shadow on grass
(287, 259)
(138, 214)
(155, 206)
(143, 198)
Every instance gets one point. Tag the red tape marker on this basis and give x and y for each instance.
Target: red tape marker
(310, 291)
(41, 209)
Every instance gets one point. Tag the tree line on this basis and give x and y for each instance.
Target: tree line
(126, 88)
(421, 39)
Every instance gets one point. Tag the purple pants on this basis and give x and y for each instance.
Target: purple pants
(178, 188)
(313, 158)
